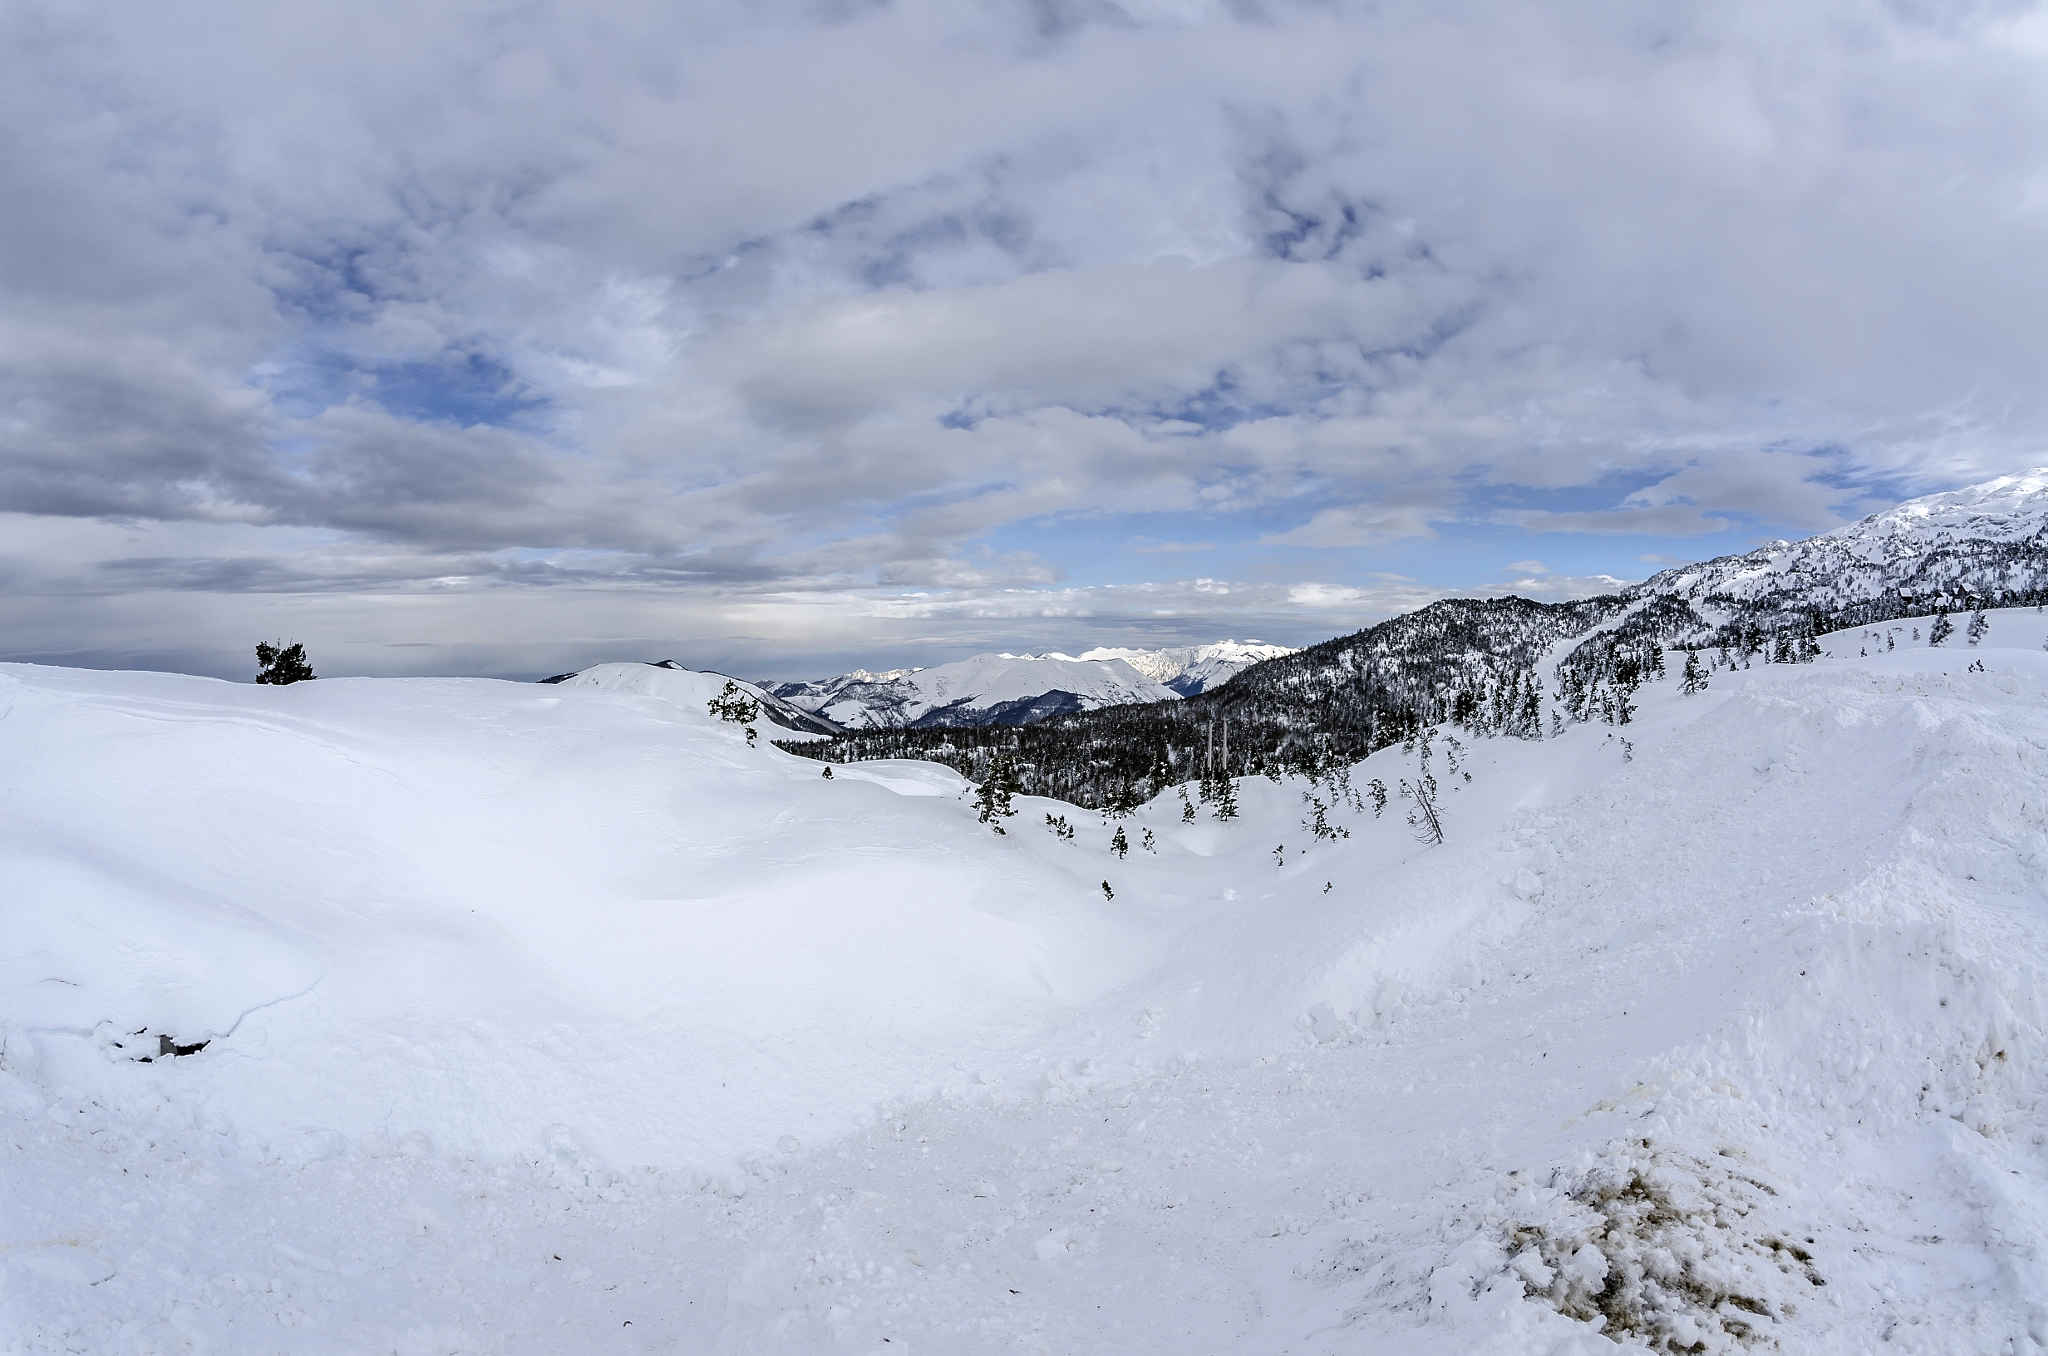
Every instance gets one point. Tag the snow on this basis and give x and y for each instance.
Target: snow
(689, 688)
(1978, 541)
(970, 686)
(1195, 668)
(548, 1019)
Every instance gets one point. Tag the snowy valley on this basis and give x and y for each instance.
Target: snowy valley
(541, 1019)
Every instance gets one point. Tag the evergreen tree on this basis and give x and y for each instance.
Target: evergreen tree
(1694, 678)
(992, 799)
(732, 703)
(1119, 844)
(1225, 799)
(1979, 624)
(1942, 629)
(280, 664)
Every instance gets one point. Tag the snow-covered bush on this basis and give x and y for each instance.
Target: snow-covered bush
(1673, 1251)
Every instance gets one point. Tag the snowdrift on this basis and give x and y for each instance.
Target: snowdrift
(542, 1019)
(474, 909)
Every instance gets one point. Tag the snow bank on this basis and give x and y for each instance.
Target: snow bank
(475, 909)
(1721, 1031)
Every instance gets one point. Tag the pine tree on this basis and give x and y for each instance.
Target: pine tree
(1979, 624)
(1121, 801)
(280, 664)
(1694, 679)
(1225, 799)
(1119, 844)
(1942, 629)
(992, 800)
(732, 703)
(1187, 807)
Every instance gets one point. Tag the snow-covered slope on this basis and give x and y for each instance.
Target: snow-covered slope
(1983, 540)
(1193, 668)
(988, 689)
(694, 689)
(558, 1019)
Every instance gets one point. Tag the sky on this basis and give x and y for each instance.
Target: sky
(789, 336)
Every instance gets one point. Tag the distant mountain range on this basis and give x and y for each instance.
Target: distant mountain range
(988, 689)
(1510, 665)
(1113, 725)
(1194, 668)
(1017, 689)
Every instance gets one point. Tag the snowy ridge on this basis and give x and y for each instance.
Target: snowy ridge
(985, 689)
(1982, 541)
(563, 1020)
(694, 689)
(1193, 668)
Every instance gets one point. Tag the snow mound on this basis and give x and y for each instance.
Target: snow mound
(693, 690)
(517, 906)
(543, 1019)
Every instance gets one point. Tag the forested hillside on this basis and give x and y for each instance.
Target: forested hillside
(1506, 666)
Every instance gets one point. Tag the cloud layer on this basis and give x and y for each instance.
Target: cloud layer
(873, 301)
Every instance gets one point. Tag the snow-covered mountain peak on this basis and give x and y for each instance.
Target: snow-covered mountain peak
(997, 688)
(1980, 541)
(1193, 668)
(1004, 688)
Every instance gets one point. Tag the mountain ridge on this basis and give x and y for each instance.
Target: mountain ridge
(1517, 666)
